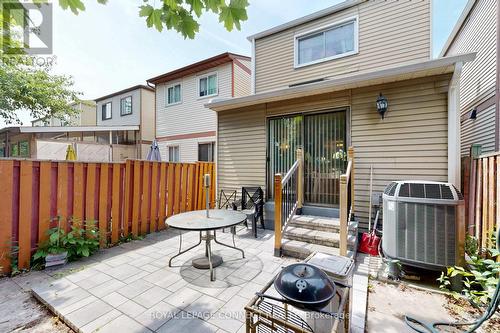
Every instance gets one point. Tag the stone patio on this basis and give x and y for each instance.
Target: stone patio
(131, 288)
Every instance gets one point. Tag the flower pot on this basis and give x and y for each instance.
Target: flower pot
(56, 259)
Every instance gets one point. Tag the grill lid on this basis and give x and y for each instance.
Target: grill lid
(305, 284)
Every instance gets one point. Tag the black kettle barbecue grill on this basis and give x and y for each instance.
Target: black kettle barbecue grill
(305, 285)
(302, 286)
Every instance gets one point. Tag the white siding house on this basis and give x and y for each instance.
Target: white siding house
(185, 129)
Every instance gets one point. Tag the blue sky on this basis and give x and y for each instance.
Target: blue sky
(108, 48)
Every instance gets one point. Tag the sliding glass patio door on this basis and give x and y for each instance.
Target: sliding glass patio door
(324, 157)
(323, 138)
(285, 136)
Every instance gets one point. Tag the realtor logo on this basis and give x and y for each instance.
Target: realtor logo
(27, 27)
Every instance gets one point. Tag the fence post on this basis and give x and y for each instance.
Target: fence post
(277, 215)
(343, 215)
(300, 181)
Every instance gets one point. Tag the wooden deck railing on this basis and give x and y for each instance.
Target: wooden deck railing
(122, 198)
(482, 196)
(346, 200)
(288, 198)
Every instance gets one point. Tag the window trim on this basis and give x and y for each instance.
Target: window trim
(206, 75)
(131, 106)
(324, 28)
(103, 115)
(213, 150)
(168, 153)
(179, 83)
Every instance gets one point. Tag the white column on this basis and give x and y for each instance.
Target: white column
(454, 127)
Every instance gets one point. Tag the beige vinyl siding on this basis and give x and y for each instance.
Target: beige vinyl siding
(148, 114)
(478, 34)
(410, 143)
(242, 81)
(480, 131)
(88, 115)
(241, 159)
(401, 36)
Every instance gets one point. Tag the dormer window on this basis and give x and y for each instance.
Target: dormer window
(337, 40)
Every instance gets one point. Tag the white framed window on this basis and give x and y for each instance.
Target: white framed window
(334, 41)
(173, 154)
(173, 94)
(106, 111)
(208, 85)
(126, 106)
(206, 152)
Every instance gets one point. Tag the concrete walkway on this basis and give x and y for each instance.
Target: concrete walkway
(130, 288)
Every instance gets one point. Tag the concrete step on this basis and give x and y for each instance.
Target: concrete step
(320, 223)
(318, 237)
(320, 211)
(301, 250)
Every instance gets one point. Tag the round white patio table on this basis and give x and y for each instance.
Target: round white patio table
(198, 221)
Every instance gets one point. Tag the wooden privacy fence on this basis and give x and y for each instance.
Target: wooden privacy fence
(481, 177)
(131, 198)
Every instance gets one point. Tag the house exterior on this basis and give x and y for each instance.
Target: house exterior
(91, 143)
(185, 129)
(316, 81)
(477, 31)
(86, 116)
(133, 106)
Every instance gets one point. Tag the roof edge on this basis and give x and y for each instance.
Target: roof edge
(220, 103)
(304, 19)
(139, 86)
(458, 26)
(226, 56)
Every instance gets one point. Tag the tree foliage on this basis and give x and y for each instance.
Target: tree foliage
(36, 90)
(180, 15)
(24, 85)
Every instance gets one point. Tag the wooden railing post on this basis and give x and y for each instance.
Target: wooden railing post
(300, 181)
(277, 215)
(343, 215)
(350, 157)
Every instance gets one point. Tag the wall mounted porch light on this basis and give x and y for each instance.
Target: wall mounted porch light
(382, 105)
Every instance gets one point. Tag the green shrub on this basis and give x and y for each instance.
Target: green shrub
(479, 278)
(81, 241)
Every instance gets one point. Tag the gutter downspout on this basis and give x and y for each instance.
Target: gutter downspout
(253, 68)
(454, 127)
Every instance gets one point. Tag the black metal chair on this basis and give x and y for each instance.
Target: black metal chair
(226, 201)
(251, 204)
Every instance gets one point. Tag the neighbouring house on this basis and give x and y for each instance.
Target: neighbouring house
(133, 106)
(320, 83)
(91, 143)
(85, 116)
(477, 31)
(185, 129)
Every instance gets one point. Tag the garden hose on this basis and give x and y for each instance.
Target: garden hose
(423, 327)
